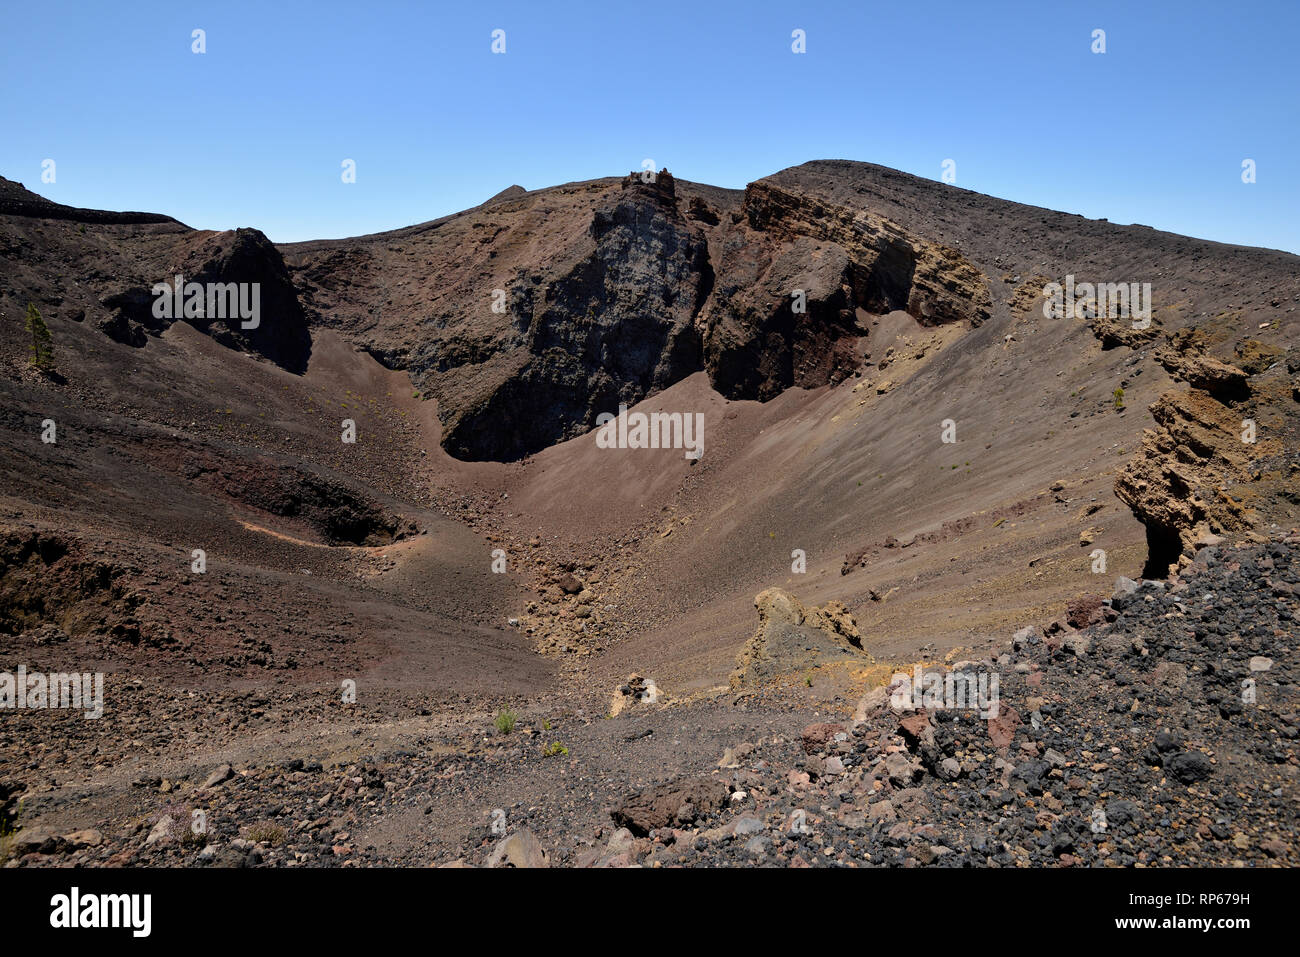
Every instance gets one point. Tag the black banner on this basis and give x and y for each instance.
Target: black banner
(328, 906)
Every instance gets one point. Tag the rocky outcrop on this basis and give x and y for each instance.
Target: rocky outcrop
(613, 328)
(1175, 485)
(795, 270)
(792, 638)
(247, 256)
(1218, 460)
(521, 849)
(1186, 359)
(118, 325)
(648, 306)
(756, 344)
(242, 257)
(890, 267)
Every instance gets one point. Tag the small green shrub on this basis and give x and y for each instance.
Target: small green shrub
(506, 720)
(42, 341)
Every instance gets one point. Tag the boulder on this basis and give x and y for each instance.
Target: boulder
(677, 804)
(520, 849)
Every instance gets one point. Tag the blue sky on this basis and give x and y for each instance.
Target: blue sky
(253, 132)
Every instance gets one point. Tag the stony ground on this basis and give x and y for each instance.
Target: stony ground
(1162, 731)
(1129, 743)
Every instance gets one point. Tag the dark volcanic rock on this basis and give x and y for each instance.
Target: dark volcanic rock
(546, 308)
(247, 256)
(674, 804)
(1189, 767)
(792, 277)
(120, 328)
(244, 256)
(613, 328)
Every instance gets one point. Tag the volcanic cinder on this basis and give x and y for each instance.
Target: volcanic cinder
(379, 519)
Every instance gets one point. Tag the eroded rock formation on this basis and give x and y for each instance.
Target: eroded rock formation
(1175, 483)
(242, 257)
(1217, 461)
(792, 638)
(837, 261)
(614, 327)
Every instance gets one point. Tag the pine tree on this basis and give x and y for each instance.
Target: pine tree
(42, 341)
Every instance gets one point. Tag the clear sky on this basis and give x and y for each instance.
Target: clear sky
(254, 131)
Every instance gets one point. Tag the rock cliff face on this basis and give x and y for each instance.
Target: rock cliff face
(613, 327)
(647, 304)
(1175, 485)
(545, 309)
(1217, 461)
(787, 248)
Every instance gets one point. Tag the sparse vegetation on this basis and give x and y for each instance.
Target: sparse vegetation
(553, 749)
(506, 720)
(42, 341)
(267, 832)
(190, 837)
(1119, 399)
